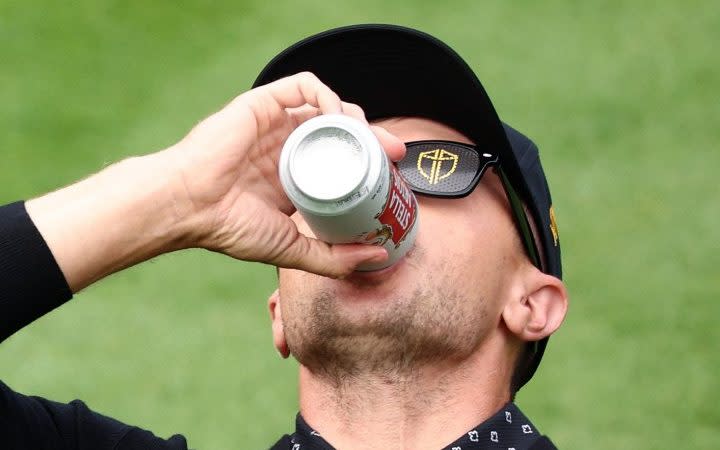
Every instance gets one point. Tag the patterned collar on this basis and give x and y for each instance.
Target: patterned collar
(508, 429)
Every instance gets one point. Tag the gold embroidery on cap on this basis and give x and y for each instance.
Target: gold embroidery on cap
(553, 226)
(439, 159)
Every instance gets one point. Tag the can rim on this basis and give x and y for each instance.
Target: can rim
(345, 177)
(371, 168)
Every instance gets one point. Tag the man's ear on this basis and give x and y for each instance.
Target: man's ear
(539, 309)
(278, 331)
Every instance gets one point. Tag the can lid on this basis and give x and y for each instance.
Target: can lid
(329, 163)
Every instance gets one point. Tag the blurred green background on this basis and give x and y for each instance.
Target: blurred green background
(622, 98)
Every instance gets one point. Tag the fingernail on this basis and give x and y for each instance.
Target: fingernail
(378, 257)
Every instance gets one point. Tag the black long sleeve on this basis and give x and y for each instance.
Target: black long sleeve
(36, 423)
(31, 285)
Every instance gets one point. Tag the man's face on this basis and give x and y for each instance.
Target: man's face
(442, 301)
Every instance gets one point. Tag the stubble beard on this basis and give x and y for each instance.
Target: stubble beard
(426, 327)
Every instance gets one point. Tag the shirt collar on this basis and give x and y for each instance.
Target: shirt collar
(507, 429)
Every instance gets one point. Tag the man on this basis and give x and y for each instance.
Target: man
(425, 354)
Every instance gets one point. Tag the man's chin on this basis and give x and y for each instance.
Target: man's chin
(375, 330)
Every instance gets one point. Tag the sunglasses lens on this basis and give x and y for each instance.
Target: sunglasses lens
(441, 167)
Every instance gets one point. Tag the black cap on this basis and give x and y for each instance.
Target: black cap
(395, 71)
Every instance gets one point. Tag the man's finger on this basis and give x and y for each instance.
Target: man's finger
(302, 114)
(325, 99)
(302, 88)
(354, 111)
(394, 147)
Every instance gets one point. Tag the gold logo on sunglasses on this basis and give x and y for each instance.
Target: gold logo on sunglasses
(436, 165)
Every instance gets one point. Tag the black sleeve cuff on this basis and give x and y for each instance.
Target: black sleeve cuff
(31, 282)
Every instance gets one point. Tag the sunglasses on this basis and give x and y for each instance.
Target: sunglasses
(449, 169)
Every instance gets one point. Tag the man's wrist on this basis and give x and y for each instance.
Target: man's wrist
(185, 213)
(157, 199)
(172, 219)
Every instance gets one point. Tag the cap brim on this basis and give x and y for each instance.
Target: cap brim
(393, 71)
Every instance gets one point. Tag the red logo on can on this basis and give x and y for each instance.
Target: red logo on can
(398, 214)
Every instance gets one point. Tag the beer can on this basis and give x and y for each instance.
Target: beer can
(336, 173)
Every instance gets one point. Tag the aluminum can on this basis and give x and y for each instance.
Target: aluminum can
(340, 180)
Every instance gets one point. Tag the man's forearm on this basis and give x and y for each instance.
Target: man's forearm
(123, 215)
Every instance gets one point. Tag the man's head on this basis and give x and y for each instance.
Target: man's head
(468, 289)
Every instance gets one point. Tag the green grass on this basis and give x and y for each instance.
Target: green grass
(622, 98)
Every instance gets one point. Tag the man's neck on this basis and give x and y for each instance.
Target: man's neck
(427, 408)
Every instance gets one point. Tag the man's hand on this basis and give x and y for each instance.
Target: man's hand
(231, 182)
(217, 188)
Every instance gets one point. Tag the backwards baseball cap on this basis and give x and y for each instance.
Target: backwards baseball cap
(393, 71)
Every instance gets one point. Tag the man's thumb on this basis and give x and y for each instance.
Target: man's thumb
(331, 260)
